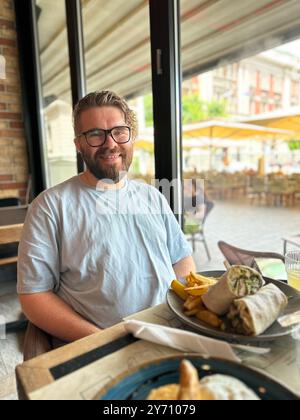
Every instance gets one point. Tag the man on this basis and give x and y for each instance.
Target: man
(87, 258)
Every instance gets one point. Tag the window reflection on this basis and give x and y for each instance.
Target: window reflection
(118, 58)
(59, 150)
(235, 74)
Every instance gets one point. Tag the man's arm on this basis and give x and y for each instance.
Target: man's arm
(184, 267)
(51, 314)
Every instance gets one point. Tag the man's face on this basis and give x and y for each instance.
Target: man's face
(107, 161)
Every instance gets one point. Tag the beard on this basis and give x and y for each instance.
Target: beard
(113, 172)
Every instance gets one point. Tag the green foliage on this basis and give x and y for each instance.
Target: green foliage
(294, 145)
(194, 109)
(217, 108)
(148, 105)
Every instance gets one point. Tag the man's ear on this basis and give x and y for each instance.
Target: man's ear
(77, 145)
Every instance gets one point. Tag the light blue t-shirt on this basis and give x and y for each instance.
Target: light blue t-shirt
(108, 254)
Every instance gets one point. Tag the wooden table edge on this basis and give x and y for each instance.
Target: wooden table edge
(35, 373)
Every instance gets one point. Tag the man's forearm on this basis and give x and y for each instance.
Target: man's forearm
(184, 267)
(51, 314)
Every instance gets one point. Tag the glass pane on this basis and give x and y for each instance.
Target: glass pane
(118, 58)
(240, 130)
(59, 149)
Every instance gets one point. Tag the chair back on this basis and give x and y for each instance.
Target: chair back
(7, 202)
(10, 234)
(9, 238)
(238, 256)
(37, 342)
(12, 215)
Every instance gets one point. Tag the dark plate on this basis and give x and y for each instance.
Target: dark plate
(138, 382)
(272, 333)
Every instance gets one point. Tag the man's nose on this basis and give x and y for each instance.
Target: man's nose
(110, 141)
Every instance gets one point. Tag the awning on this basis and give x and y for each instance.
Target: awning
(117, 39)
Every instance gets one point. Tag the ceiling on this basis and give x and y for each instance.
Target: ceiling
(117, 39)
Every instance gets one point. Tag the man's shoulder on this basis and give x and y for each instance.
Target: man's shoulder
(56, 193)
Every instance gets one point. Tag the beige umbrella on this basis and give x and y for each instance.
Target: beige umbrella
(232, 130)
(215, 133)
(286, 120)
(216, 130)
(219, 130)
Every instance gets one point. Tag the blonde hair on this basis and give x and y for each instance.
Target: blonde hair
(105, 98)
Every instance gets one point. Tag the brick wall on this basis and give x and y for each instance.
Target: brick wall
(13, 153)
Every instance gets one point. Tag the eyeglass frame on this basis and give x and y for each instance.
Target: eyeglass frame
(106, 132)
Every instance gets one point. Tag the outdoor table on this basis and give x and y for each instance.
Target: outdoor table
(79, 370)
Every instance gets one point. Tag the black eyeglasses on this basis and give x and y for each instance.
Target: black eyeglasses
(98, 136)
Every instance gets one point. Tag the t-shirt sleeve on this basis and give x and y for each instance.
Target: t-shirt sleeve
(178, 246)
(38, 257)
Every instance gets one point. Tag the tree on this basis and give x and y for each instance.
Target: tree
(194, 109)
(148, 105)
(294, 145)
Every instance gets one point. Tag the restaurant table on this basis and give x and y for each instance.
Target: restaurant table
(78, 371)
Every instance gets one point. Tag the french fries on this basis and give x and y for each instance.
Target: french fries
(209, 318)
(193, 302)
(197, 290)
(179, 289)
(196, 286)
(192, 305)
(192, 312)
(194, 279)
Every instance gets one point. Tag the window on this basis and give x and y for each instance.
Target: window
(118, 58)
(59, 149)
(245, 174)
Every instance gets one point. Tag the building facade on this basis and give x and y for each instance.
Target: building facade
(263, 83)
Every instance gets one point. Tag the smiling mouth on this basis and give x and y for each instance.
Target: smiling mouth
(110, 158)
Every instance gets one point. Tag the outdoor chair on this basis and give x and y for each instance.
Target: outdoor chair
(257, 189)
(283, 192)
(9, 239)
(238, 256)
(194, 228)
(36, 342)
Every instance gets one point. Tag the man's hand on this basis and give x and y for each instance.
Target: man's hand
(184, 267)
(52, 315)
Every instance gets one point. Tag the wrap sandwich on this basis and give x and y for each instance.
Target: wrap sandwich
(252, 315)
(237, 282)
